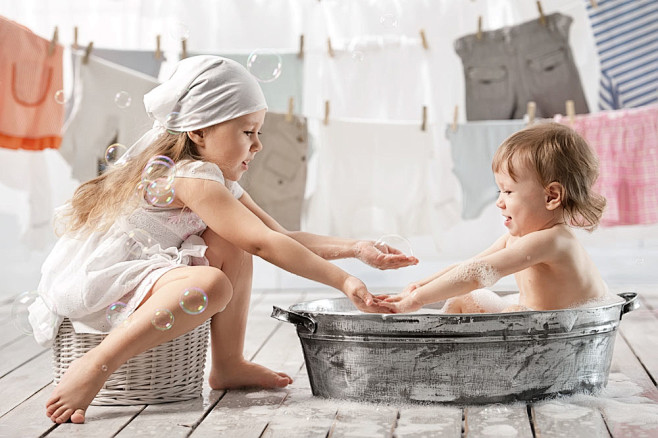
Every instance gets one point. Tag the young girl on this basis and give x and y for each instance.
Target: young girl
(192, 240)
(545, 175)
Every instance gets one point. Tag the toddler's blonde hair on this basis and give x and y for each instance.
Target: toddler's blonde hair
(557, 153)
(97, 203)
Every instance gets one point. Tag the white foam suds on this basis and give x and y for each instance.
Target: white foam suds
(477, 270)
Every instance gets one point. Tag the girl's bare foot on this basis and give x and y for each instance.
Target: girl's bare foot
(247, 374)
(77, 388)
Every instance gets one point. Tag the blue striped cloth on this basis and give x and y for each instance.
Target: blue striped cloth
(626, 34)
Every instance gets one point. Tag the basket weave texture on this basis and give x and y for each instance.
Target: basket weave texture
(169, 372)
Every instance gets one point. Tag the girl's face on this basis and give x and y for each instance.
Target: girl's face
(526, 205)
(232, 144)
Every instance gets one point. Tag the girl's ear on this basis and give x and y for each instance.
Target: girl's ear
(196, 137)
(554, 195)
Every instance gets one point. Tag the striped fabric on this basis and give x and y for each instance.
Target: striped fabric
(626, 33)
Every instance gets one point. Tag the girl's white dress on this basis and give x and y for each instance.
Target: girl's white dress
(82, 277)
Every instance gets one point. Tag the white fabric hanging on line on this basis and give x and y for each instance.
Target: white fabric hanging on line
(370, 179)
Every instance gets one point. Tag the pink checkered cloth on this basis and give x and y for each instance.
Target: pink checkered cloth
(626, 142)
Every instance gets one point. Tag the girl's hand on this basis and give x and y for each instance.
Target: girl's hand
(382, 257)
(362, 299)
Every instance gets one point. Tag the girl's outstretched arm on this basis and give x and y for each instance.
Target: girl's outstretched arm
(233, 221)
(332, 248)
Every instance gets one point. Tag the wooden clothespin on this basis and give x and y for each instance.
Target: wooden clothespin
(53, 42)
(455, 116)
(291, 109)
(330, 49)
(542, 18)
(326, 112)
(300, 54)
(479, 34)
(423, 126)
(531, 110)
(423, 39)
(75, 37)
(183, 53)
(158, 50)
(88, 50)
(571, 110)
(594, 3)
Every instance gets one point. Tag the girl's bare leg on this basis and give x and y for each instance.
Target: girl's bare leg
(227, 329)
(85, 376)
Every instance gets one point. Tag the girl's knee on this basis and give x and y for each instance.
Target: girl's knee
(217, 286)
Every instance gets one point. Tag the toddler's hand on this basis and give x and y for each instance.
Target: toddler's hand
(405, 301)
(362, 299)
(405, 293)
(383, 257)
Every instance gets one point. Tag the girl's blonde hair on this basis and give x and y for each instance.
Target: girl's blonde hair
(558, 154)
(97, 203)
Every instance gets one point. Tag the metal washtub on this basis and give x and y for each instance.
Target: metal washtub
(461, 359)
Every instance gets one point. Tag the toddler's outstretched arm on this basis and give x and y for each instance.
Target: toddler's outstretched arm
(481, 271)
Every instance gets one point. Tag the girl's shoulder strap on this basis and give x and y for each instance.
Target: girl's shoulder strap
(206, 170)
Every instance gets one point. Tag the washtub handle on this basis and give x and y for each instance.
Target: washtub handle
(298, 319)
(631, 303)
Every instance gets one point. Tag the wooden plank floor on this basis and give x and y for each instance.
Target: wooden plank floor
(627, 408)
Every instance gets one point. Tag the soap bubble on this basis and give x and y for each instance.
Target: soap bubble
(394, 241)
(123, 99)
(178, 31)
(158, 167)
(193, 301)
(116, 313)
(357, 55)
(389, 21)
(265, 65)
(140, 190)
(20, 312)
(137, 242)
(60, 97)
(162, 319)
(114, 152)
(160, 193)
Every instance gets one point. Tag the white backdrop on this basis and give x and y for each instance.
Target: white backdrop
(380, 72)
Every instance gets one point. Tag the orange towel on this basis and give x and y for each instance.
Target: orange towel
(30, 117)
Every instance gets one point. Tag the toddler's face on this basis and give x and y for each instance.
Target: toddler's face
(523, 202)
(234, 143)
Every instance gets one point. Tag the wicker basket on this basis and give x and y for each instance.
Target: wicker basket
(170, 372)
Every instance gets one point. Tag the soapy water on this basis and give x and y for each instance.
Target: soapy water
(477, 270)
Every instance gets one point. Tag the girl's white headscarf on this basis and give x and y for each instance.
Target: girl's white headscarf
(202, 91)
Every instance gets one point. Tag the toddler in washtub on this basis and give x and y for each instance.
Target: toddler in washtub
(545, 175)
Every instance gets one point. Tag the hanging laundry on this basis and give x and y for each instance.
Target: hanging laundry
(371, 179)
(108, 109)
(143, 61)
(278, 87)
(473, 145)
(508, 67)
(626, 34)
(276, 179)
(626, 142)
(30, 76)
